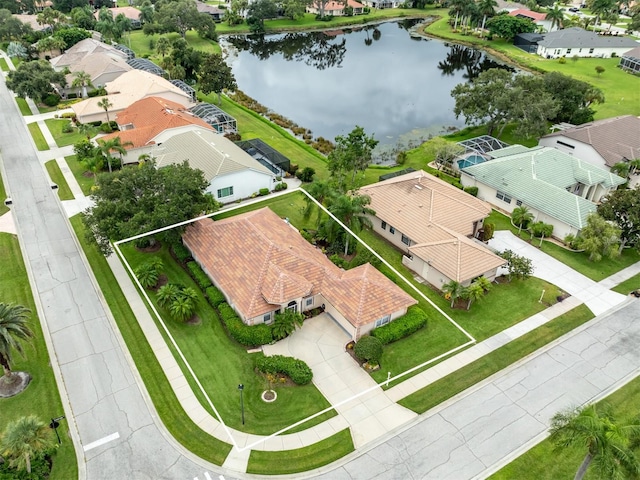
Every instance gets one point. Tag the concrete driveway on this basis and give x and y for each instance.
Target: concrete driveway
(355, 395)
(597, 297)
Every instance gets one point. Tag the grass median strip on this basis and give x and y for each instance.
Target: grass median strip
(56, 176)
(38, 138)
(477, 371)
(301, 459)
(23, 106)
(628, 285)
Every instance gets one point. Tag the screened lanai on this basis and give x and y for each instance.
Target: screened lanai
(147, 66)
(124, 49)
(267, 156)
(218, 119)
(483, 144)
(185, 88)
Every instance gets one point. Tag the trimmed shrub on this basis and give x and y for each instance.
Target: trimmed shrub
(488, 230)
(297, 370)
(214, 296)
(249, 336)
(106, 128)
(411, 322)
(199, 276)
(263, 191)
(181, 252)
(368, 349)
(364, 256)
(67, 128)
(51, 100)
(280, 186)
(471, 191)
(306, 174)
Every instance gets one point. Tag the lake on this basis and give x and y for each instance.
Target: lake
(395, 85)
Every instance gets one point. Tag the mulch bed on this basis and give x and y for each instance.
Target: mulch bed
(19, 384)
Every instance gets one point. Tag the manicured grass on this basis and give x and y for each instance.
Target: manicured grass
(85, 181)
(141, 44)
(546, 462)
(628, 285)
(475, 372)
(301, 459)
(168, 407)
(23, 106)
(221, 364)
(3, 65)
(41, 397)
(3, 194)
(38, 138)
(290, 206)
(579, 261)
(55, 174)
(63, 139)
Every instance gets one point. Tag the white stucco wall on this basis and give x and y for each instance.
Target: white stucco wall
(583, 151)
(244, 183)
(581, 52)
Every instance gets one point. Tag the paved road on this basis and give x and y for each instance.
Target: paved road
(107, 414)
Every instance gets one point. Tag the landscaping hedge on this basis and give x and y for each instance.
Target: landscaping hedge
(249, 336)
(298, 371)
(181, 252)
(369, 349)
(214, 296)
(411, 322)
(201, 278)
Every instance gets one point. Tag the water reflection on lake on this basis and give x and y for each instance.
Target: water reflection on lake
(380, 78)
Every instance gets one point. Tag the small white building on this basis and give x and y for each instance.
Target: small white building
(579, 42)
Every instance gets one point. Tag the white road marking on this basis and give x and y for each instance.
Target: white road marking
(221, 477)
(102, 441)
(207, 476)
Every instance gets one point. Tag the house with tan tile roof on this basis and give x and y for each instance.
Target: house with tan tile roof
(148, 122)
(84, 48)
(127, 89)
(434, 224)
(102, 68)
(263, 266)
(336, 9)
(132, 13)
(602, 143)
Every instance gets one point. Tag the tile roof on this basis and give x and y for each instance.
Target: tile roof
(149, 117)
(523, 12)
(633, 53)
(539, 178)
(98, 64)
(81, 50)
(261, 262)
(131, 13)
(579, 37)
(208, 151)
(144, 84)
(335, 5)
(437, 217)
(616, 139)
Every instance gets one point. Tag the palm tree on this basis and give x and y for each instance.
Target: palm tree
(50, 44)
(621, 169)
(149, 272)
(167, 294)
(556, 15)
(454, 289)
(472, 293)
(182, 308)
(93, 164)
(484, 283)
(146, 12)
(105, 104)
(112, 145)
(286, 323)
(521, 216)
(82, 79)
(24, 439)
(323, 192)
(352, 211)
(85, 129)
(13, 330)
(163, 46)
(606, 440)
(487, 8)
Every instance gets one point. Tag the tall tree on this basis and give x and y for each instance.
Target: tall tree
(11, 28)
(258, 12)
(352, 154)
(354, 212)
(127, 202)
(444, 152)
(600, 238)
(324, 194)
(508, 27)
(82, 80)
(486, 8)
(215, 76)
(556, 15)
(622, 207)
(14, 329)
(177, 16)
(607, 441)
(49, 44)
(34, 79)
(105, 104)
(50, 18)
(146, 12)
(163, 45)
(24, 439)
(71, 35)
(82, 17)
(114, 145)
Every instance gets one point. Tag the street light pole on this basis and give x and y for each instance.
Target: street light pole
(241, 388)
(55, 423)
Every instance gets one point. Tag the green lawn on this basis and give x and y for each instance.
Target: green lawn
(3, 194)
(545, 462)
(141, 44)
(475, 372)
(41, 398)
(23, 106)
(167, 405)
(63, 139)
(3, 65)
(221, 364)
(628, 285)
(301, 459)
(38, 138)
(55, 174)
(83, 177)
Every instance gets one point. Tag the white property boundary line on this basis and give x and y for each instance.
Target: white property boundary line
(117, 244)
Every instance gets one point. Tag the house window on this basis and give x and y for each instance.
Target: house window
(225, 192)
(503, 196)
(383, 321)
(565, 144)
(293, 306)
(383, 225)
(267, 317)
(568, 51)
(590, 50)
(392, 230)
(406, 240)
(308, 302)
(519, 203)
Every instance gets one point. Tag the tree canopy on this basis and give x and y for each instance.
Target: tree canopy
(259, 11)
(507, 27)
(139, 199)
(177, 16)
(216, 75)
(11, 28)
(352, 154)
(622, 207)
(600, 238)
(34, 79)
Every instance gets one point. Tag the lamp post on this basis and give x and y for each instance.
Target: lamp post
(55, 423)
(241, 388)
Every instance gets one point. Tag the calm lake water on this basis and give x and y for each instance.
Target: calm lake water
(380, 77)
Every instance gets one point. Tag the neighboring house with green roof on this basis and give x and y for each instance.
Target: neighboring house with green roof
(557, 188)
(231, 172)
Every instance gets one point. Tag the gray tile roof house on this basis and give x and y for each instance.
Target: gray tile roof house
(577, 37)
(541, 179)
